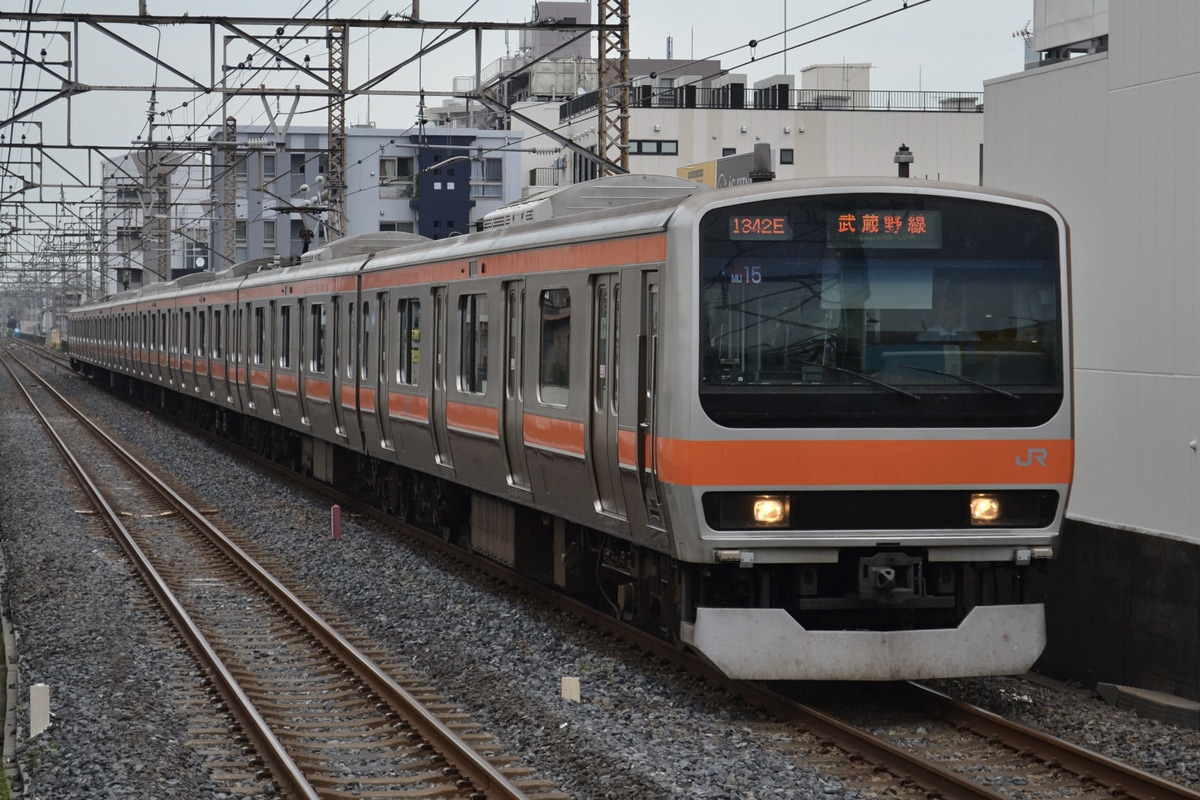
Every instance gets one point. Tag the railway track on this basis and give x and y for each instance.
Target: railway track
(895, 740)
(321, 717)
(910, 741)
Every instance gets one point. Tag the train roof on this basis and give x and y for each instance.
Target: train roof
(363, 244)
(641, 203)
(615, 191)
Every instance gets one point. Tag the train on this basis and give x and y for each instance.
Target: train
(810, 430)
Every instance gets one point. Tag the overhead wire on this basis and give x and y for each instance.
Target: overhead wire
(244, 80)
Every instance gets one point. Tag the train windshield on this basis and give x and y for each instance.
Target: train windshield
(880, 309)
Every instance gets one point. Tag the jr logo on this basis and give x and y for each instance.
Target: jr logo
(1033, 454)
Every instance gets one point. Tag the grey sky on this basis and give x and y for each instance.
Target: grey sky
(943, 45)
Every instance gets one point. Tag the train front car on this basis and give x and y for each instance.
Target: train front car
(866, 429)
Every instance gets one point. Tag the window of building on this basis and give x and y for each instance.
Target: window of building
(473, 334)
(317, 320)
(240, 238)
(408, 321)
(241, 170)
(268, 167)
(787, 155)
(268, 233)
(653, 147)
(129, 238)
(664, 92)
(296, 171)
(728, 151)
(195, 253)
(487, 178)
(396, 169)
(404, 227)
(554, 371)
(129, 195)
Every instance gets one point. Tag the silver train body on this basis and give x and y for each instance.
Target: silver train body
(813, 430)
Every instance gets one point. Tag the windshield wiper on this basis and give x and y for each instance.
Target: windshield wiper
(866, 378)
(971, 381)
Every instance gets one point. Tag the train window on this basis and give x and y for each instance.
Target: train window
(145, 331)
(201, 333)
(317, 319)
(236, 334)
(367, 323)
(408, 323)
(473, 362)
(285, 337)
(616, 356)
(260, 334)
(600, 353)
(554, 370)
(879, 310)
(217, 343)
(162, 343)
(351, 339)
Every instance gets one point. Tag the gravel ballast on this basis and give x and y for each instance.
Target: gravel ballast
(641, 730)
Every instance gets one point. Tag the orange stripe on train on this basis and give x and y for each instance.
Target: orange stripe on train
(650, 249)
(550, 433)
(412, 407)
(476, 419)
(866, 462)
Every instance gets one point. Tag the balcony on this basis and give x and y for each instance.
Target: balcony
(783, 98)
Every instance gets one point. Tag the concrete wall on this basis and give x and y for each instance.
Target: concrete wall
(1111, 140)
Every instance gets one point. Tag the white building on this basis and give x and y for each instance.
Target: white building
(153, 217)
(686, 112)
(1107, 131)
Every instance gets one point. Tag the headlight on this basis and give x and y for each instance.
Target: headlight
(770, 510)
(746, 511)
(985, 509)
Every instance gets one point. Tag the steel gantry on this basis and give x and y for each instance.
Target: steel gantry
(613, 130)
(78, 89)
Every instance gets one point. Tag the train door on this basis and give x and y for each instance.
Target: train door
(302, 364)
(384, 375)
(221, 347)
(335, 368)
(274, 355)
(437, 410)
(603, 428)
(512, 400)
(647, 391)
(245, 356)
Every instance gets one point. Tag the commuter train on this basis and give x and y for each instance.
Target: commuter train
(808, 429)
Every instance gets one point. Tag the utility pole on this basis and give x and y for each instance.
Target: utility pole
(338, 56)
(613, 101)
